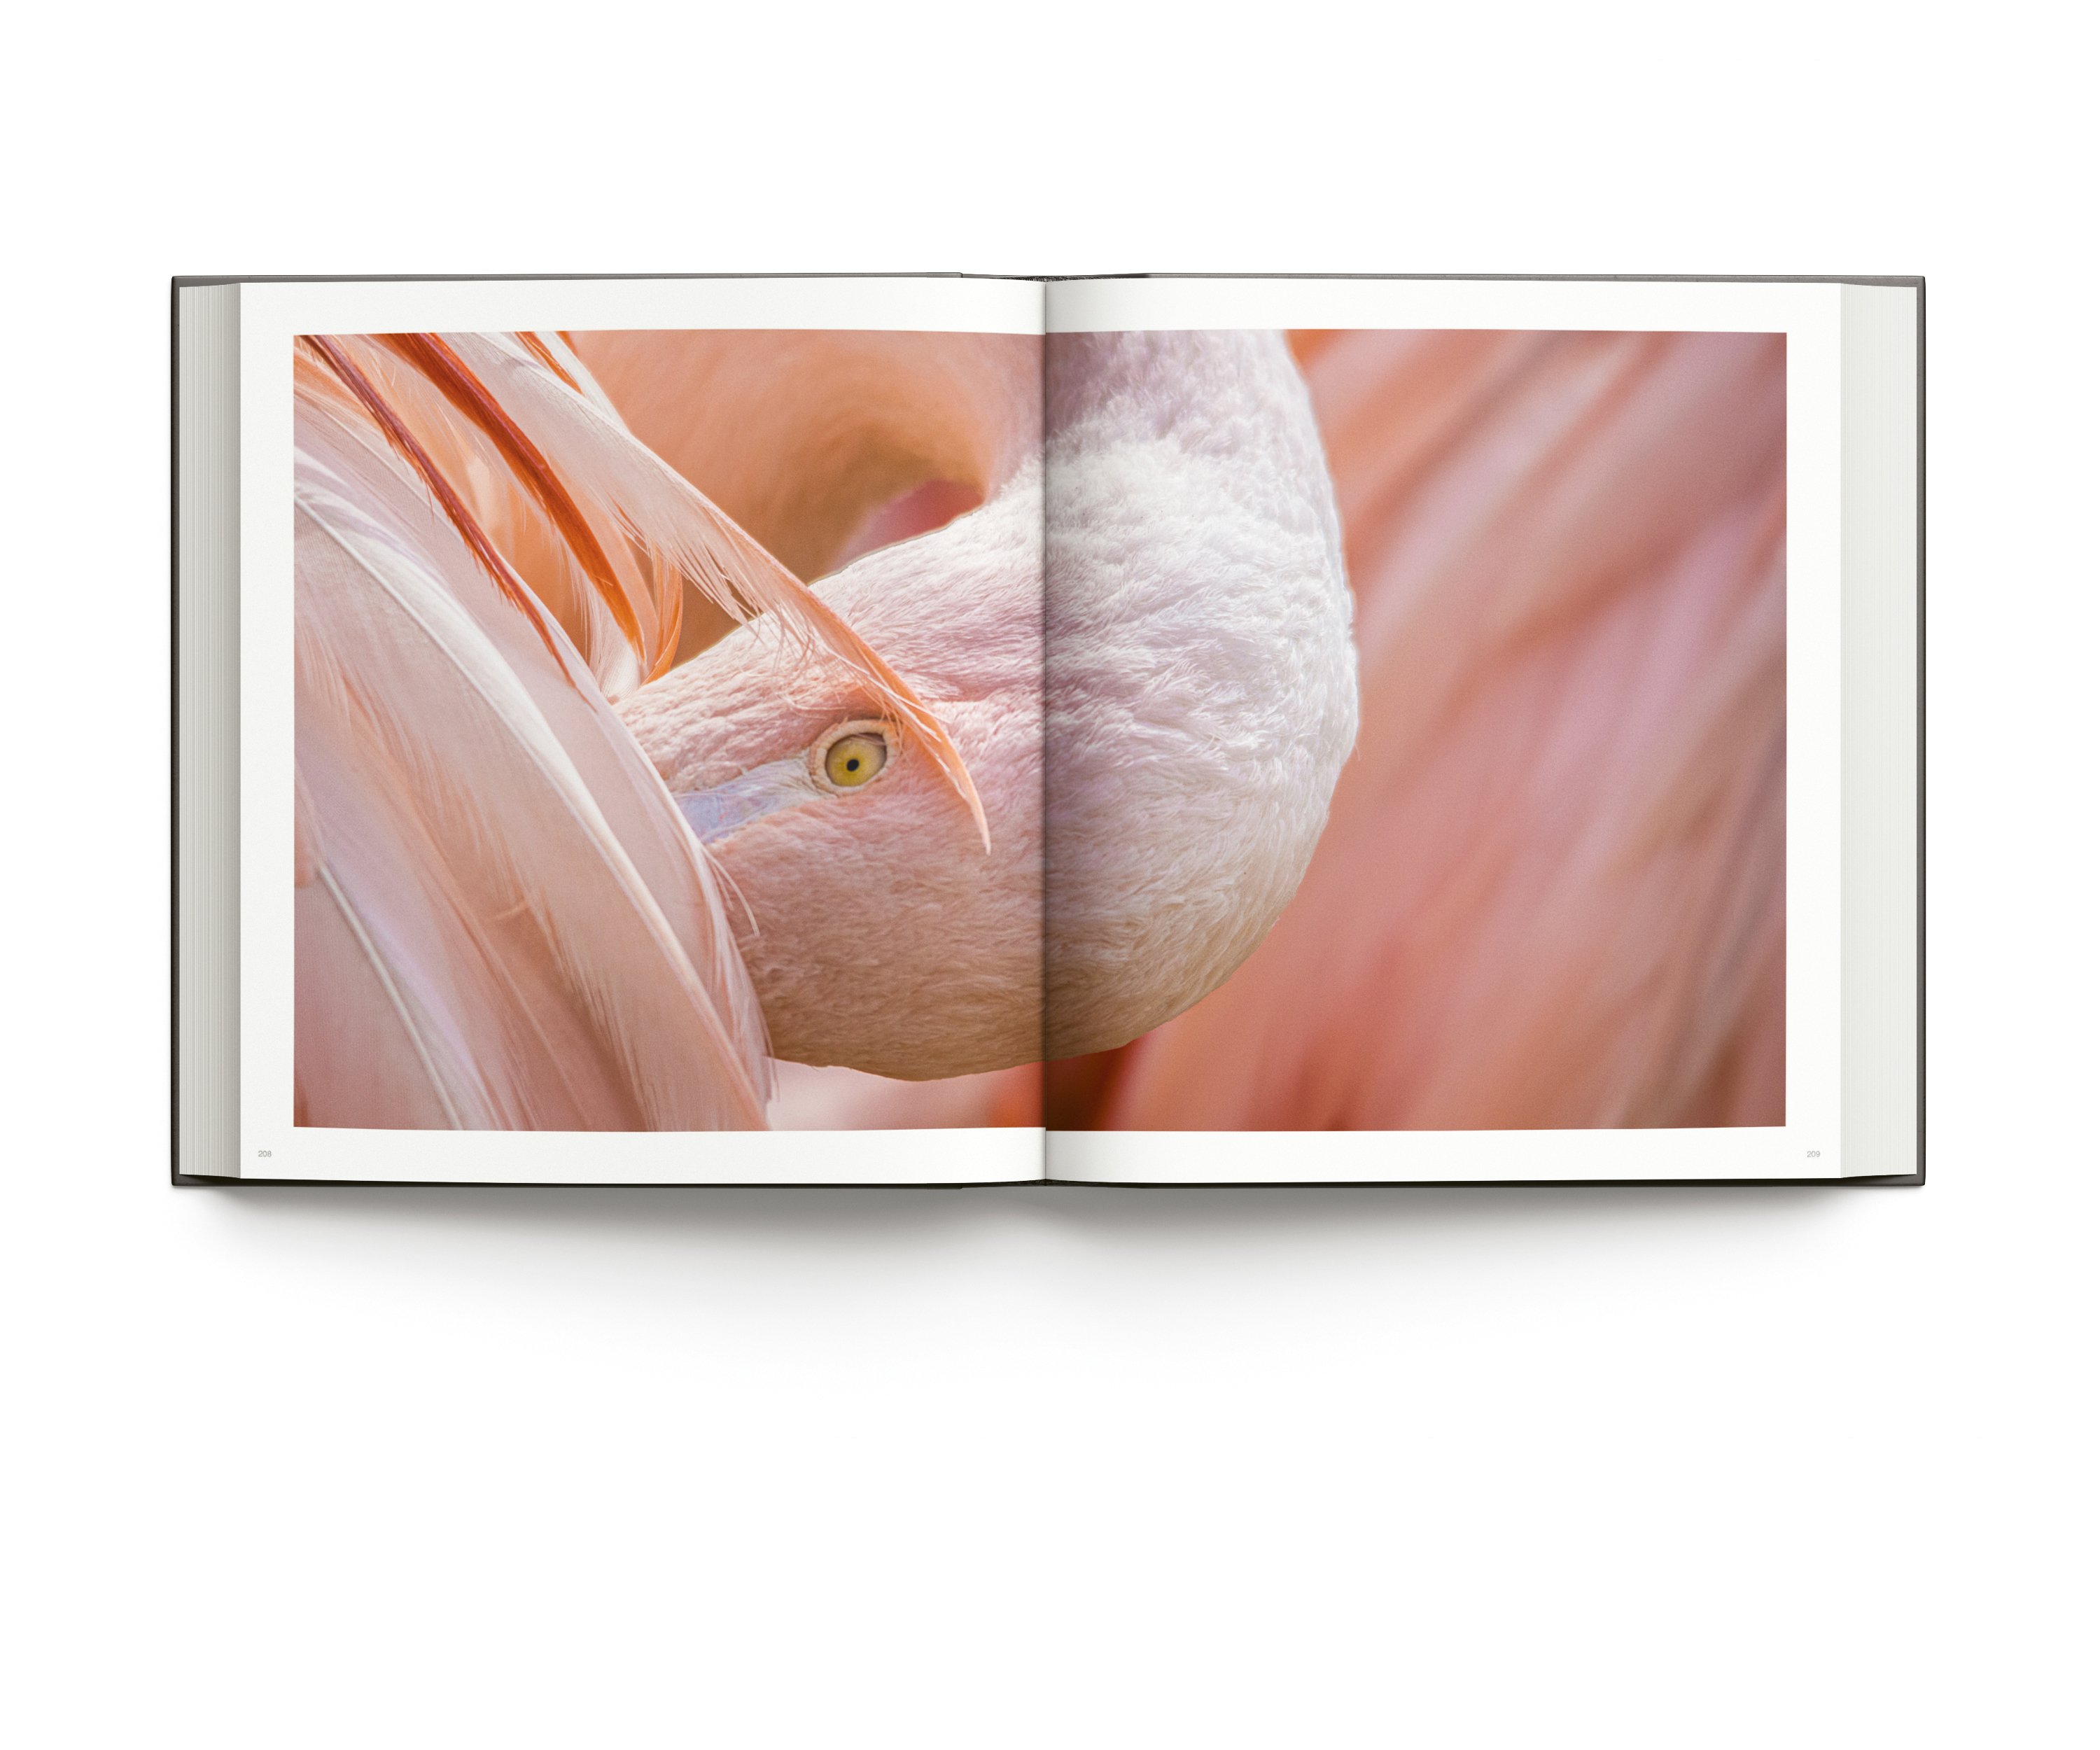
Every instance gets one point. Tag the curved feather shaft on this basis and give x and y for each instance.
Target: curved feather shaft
(427, 470)
(438, 361)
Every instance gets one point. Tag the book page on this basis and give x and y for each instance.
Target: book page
(1443, 754)
(641, 684)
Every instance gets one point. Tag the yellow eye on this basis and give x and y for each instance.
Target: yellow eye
(851, 761)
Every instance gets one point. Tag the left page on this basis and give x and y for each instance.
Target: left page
(642, 680)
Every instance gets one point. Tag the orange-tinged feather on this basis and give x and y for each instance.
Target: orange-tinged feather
(434, 479)
(545, 354)
(429, 353)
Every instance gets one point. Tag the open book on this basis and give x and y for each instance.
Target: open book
(948, 730)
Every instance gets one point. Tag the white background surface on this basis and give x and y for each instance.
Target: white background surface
(1673, 1468)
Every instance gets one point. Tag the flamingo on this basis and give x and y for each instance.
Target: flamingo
(572, 853)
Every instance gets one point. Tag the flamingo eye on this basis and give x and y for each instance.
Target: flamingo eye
(855, 757)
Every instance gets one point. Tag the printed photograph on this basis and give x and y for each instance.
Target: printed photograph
(1178, 730)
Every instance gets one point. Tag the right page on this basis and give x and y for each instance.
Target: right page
(1443, 762)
